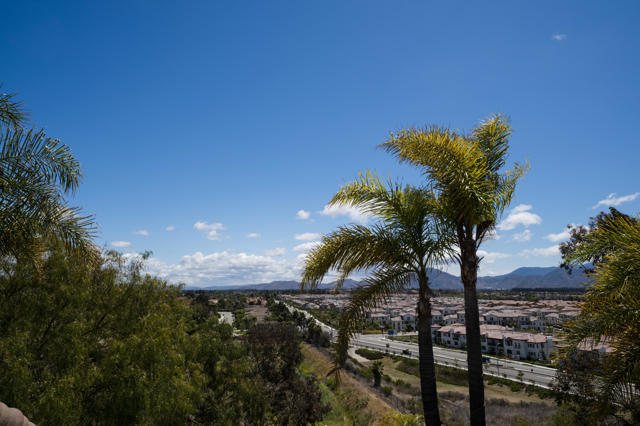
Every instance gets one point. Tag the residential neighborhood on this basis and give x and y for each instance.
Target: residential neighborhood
(518, 329)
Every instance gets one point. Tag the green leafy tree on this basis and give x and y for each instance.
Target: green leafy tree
(472, 190)
(402, 246)
(95, 341)
(394, 418)
(608, 381)
(275, 349)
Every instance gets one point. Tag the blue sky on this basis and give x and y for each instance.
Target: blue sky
(223, 120)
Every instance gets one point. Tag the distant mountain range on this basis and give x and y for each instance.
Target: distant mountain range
(526, 277)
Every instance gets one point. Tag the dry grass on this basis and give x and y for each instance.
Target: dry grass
(503, 407)
(319, 363)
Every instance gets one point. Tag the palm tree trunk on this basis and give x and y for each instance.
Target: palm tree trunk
(469, 276)
(427, 362)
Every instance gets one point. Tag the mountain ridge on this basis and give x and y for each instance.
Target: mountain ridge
(524, 277)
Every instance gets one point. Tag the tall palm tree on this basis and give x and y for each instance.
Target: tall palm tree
(35, 173)
(472, 190)
(399, 248)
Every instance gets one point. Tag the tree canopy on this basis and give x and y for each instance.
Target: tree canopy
(609, 319)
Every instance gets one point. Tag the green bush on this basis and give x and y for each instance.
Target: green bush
(332, 384)
(408, 365)
(386, 390)
(370, 355)
(366, 372)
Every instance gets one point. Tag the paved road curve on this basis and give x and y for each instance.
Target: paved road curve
(499, 367)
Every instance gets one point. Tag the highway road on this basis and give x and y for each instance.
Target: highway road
(499, 367)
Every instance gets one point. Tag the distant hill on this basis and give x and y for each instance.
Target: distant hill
(551, 277)
(533, 271)
(526, 277)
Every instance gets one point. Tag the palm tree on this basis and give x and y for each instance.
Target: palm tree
(400, 248)
(608, 384)
(465, 172)
(377, 369)
(35, 172)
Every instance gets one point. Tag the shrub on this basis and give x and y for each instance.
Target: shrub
(408, 365)
(332, 384)
(366, 372)
(370, 355)
(386, 390)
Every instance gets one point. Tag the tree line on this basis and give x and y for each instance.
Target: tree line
(86, 337)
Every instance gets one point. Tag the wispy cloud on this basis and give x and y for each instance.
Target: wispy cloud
(519, 215)
(142, 232)
(354, 213)
(303, 215)
(522, 236)
(492, 235)
(211, 229)
(560, 236)
(613, 200)
(559, 37)
(278, 251)
(304, 247)
(556, 238)
(492, 256)
(307, 236)
(253, 235)
(545, 251)
(170, 228)
(120, 244)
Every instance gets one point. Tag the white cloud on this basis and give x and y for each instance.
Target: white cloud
(559, 37)
(545, 251)
(120, 243)
(612, 200)
(354, 213)
(560, 236)
(224, 268)
(303, 215)
(142, 232)
(304, 247)
(491, 257)
(278, 251)
(308, 236)
(170, 228)
(211, 229)
(522, 236)
(253, 235)
(519, 215)
(492, 235)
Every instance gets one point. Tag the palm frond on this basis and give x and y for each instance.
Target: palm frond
(375, 292)
(455, 165)
(347, 249)
(36, 157)
(492, 136)
(370, 194)
(34, 172)
(11, 111)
